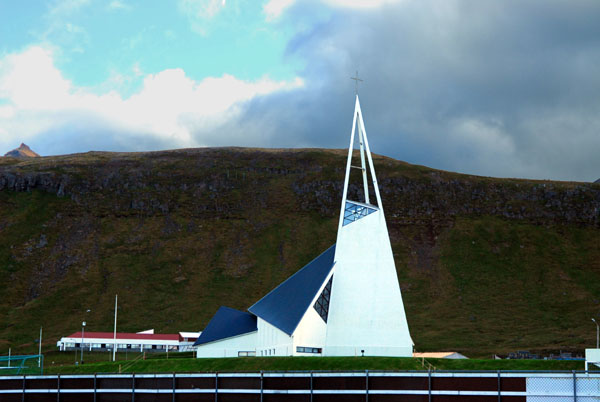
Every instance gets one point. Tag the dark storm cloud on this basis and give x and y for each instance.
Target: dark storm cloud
(502, 88)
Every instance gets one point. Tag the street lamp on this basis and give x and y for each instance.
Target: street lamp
(597, 334)
(82, 336)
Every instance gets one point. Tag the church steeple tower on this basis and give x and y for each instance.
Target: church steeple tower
(366, 312)
(358, 125)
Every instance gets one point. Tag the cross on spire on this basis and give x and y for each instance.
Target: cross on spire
(356, 80)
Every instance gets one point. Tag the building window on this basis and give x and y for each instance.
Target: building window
(354, 212)
(322, 303)
(250, 353)
(305, 349)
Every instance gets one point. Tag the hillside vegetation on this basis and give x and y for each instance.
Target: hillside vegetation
(485, 265)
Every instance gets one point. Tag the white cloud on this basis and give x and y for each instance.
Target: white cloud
(59, 28)
(118, 5)
(200, 13)
(204, 9)
(274, 8)
(29, 80)
(170, 107)
(359, 3)
(62, 8)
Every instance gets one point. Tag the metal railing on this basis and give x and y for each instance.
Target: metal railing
(534, 386)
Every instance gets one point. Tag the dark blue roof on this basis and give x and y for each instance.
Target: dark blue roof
(285, 305)
(227, 322)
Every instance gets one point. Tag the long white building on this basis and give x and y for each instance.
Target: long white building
(346, 302)
(145, 341)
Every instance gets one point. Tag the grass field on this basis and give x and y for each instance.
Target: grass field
(253, 364)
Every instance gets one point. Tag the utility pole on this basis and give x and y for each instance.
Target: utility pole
(40, 350)
(82, 339)
(115, 332)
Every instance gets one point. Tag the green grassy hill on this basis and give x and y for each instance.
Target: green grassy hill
(486, 265)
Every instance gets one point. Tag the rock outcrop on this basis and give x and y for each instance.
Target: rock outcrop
(158, 182)
(22, 152)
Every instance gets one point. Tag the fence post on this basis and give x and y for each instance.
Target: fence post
(95, 386)
(367, 385)
(261, 385)
(23, 396)
(311, 386)
(173, 387)
(574, 386)
(58, 388)
(499, 388)
(216, 386)
(429, 383)
(132, 387)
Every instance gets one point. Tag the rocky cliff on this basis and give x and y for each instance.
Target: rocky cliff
(155, 183)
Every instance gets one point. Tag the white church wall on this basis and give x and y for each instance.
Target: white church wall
(271, 341)
(366, 311)
(229, 347)
(310, 333)
(311, 330)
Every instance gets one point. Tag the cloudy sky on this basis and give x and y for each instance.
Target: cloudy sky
(507, 88)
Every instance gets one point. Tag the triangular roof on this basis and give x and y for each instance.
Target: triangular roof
(285, 305)
(227, 322)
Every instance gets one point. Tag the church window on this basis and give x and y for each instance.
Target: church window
(354, 212)
(322, 303)
(305, 349)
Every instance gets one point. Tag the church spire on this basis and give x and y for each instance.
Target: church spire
(365, 158)
(365, 310)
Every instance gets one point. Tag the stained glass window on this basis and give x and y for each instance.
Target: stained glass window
(354, 212)
(322, 303)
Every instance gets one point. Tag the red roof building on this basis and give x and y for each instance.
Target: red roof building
(127, 341)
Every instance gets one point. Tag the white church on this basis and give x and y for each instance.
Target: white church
(345, 302)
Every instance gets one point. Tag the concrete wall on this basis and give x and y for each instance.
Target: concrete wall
(229, 347)
(271, 341)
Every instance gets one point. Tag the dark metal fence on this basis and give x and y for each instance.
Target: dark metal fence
(436, 386)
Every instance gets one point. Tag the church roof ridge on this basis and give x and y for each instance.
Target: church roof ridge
(226, 323)
(284, 306)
